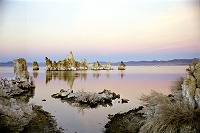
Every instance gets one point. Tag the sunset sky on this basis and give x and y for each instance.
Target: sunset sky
(104, 30)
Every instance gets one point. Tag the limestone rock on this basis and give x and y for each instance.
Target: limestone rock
(197, 73)
(48, 64)
(189, 88)
(35, 65)
(197, 97)
(89, 98)
(54, 66)
(96, 66)
(121, 66)
(108, 66)
(68, 63)
(15, 114)
(20, 69)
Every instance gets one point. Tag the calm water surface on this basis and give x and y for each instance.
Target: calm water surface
(130, 84)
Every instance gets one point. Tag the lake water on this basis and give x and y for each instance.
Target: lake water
(130, 84)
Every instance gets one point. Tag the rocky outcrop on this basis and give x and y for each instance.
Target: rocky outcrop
(20, 69)
(67, 64)
(97, 66)
(10, 88)
(15, 114)
(87, 98)
(18, 85)
(190, 86)
(197, 73)
(48, 64)
(35, 65)
(121, 66)
(128, 122)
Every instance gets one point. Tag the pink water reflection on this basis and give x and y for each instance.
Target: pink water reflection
(130, 84)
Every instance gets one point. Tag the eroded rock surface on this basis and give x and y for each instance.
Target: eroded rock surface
(20, 69)
(15, 112)
(67, 64)
(35, 65)
(190, 87)
(88, 98)
(97, 66)
(121, 66)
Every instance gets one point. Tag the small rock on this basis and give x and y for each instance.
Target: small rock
(44, 100)
(125, 100)
(110, 116)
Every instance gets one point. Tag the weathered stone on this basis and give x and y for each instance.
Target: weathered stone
(97, 66)
(121, 66)
(21, 83)
(35, 65)
(20, 69)
(197, 73)
(15, 114)
(48, 64)
(197, 97)
(89, 98)
(68, 63)
(125, 100)
(189, 88)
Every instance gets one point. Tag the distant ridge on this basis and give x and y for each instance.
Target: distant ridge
(10, 64)
(155, 62)
(128, 63)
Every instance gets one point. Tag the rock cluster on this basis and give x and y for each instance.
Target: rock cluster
(20, 84)
(191, 86)
(121, 66)
(15, 113)
(10, 88)
(35, 65)
(89, 98)
(97, 66)
(67, 64)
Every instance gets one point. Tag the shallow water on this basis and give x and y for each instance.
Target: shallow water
(130, 84)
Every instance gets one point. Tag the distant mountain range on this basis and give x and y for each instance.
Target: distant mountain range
(128, 63)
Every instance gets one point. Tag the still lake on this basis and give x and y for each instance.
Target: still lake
(130, 84)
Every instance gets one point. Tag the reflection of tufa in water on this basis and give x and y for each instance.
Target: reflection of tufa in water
(68, 76)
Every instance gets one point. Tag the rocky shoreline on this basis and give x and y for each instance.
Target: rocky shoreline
(178, 112)
(128, 122)
(16, 114)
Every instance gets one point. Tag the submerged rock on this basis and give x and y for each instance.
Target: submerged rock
(89, 98)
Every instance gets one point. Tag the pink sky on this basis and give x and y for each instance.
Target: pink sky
(99, 30)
